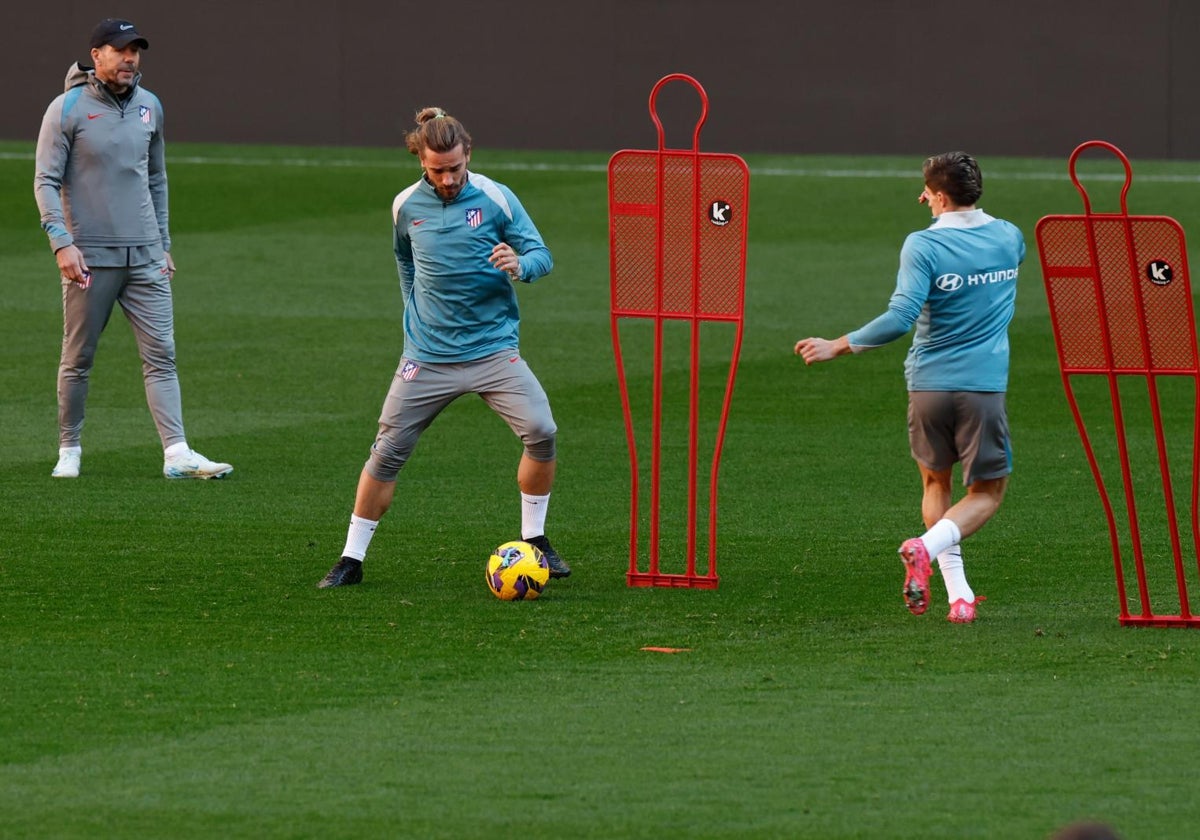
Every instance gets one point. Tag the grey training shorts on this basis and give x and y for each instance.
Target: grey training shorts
(971, 427)
(420, 391)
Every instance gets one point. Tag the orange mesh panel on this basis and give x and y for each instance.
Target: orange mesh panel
(1131, 299)
(722, 247)
(631, 178)
(686, 230)
(1168, 306)
(633, 264)
(1120, 303)
(1079, 335)
(1063, 242)
(679, 181)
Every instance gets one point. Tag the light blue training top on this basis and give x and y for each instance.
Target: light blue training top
(457, 306)
(958, 283)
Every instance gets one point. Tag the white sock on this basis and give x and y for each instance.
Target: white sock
(63, 450)
(951, 563)
(358, 537)
(533, 515)
(174, 449)
(941, 536)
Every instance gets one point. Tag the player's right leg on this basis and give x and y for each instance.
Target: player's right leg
(371, 502)
(417, 395)
(931, 439)
(917, 570)
(85, 315)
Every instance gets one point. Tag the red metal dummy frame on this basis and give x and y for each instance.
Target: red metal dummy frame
(1112, 370)
(661, 313)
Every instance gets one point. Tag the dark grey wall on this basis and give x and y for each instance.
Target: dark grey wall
(847, 76)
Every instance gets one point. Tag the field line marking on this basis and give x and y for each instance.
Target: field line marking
(762, 171)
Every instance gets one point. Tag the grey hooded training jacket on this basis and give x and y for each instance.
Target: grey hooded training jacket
(101, 177)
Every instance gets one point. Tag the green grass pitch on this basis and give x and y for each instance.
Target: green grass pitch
(170, 670)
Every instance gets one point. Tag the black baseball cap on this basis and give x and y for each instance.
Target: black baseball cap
(119, 33)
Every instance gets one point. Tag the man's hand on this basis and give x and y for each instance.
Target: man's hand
(505, 258)
(821, 349)
(72, 267)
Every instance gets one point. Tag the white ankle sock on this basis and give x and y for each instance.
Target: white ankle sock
(951, 564)
(941, 536)
(358, 537)
(533, 515)
(175, 449)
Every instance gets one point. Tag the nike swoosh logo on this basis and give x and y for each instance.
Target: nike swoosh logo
(93, 116)
(418, 222)
(126, 27)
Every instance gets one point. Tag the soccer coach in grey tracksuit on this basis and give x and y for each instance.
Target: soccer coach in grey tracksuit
(101, 187)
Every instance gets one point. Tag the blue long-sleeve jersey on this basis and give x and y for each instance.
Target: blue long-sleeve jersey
(457, 306)
(958, 283)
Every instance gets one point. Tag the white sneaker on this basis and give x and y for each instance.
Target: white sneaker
(191, 464)
(68, 462)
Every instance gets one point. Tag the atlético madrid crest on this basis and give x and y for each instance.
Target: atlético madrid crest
(144, 113)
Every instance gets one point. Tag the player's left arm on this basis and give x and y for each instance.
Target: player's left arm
(521, 235)
(156, 171)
